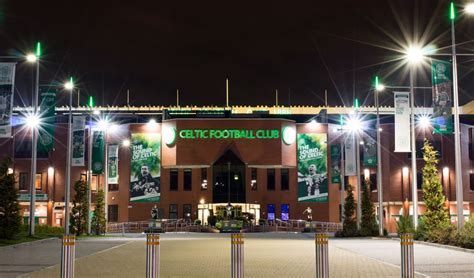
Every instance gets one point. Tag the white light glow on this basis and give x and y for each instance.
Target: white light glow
(201, 201)
(354, 124)
(289, 135)
(31, 58)
(113, 128)
(68, 85)
(96, 112)
(366, 173)
(469, 8)
(380, 87)
(169, 135)
(424, 122)
(126, 143)
(10, 171)
(414, 54)
(361, 142)
(50, 171)
(405, 171)
(103, 124)
(32, 121)
(152, 122)
(446, 172)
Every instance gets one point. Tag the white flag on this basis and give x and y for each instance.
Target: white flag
(7, 80)
(350, 156)
(402, 121)
(78, 140)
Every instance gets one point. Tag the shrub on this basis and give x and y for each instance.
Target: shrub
(349, 226)
(368, 224)
(465, 236)
(421, 233)
(10, 219)
(78, 222)
(212, 220)
(405, 225)
(98, 220)
(444, 234)
(197, 222)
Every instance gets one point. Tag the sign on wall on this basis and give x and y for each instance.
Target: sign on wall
(78, 140)
(312, 167)
(402, 122)
(98, 152)
(47, 108)
(145, 166)
(112, 161)
(336, 163)
(442, 97)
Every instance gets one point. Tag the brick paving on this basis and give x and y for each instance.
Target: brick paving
(198, 255)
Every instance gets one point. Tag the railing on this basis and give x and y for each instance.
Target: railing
(183, 225)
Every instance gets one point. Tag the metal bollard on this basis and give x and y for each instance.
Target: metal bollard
(408, 258)
(68, 256)
(237, 255)
(152, 255)
(322, 258)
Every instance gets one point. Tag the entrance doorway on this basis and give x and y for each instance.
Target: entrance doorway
(228, 179)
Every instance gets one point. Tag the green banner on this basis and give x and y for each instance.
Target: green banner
(98, 152)
(442, 97)
(48, 119)
(370, 143)
(312, 168)
(336, 163)
(145, 166)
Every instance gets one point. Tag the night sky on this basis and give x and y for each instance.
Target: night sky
(300, 48)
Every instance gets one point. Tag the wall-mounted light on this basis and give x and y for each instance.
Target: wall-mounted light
(405, 171)
(366, 173)
(169, 136)
(50, 171)
(10, 171)
(288, 135)
(126, 143)
(446, 172)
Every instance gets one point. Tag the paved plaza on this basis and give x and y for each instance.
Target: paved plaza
(208, 255)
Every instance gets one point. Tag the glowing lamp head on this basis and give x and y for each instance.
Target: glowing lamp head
(405, 171)
(96, 112)
(126, 143)
(446, 171)
(424, 122)
(414, 54)
(32, 121)
(380, 87)
(50, 171)
(31, 58)
(103, 124)
(68, 86)
(366, 173)
(354, 125)
(469, 8)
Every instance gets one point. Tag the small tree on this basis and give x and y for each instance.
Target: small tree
(79, 215)
(368, 225)
(98, 220)
(436, 215)
(349, 227)
(10, 219)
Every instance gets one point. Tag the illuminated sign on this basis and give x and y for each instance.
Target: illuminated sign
(229, 134)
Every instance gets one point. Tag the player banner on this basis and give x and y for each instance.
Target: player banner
(7, 80)
(402, 122)
(98, 149)
(78, 140)
(48, 110)
(335, 163)
(350, 156)
(370, 144)
(145, 167)
(112, 162)
(312, 167)
(442, 97)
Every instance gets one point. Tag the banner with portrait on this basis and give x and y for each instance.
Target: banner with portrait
(78, 140)
(145, 166)
(370, 143)
(350, 155)
(312, 167)
(48, 119)
(442, 97)
(336, 163)
(98, 152)
(402, 122)
(112, 162)
(7, 81)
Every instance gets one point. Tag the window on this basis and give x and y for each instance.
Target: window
(174, 180)
(271, 212)
(187, 211)
(113, 213)
(471, 182)
(203, 178)
(113, 187)
(188, 179)
(285, 212)
(271, 179)
(419, 180)
(253, 181)
(372, 179)
(23, 150)
(24, 181)
(173, 211)
(39, 181)
(285, 180)
(94, 183)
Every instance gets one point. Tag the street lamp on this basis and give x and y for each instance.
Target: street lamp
(34, 58)
(414, 55)
(70, 87)
(379, 87)
(469, 8)
(424, 122)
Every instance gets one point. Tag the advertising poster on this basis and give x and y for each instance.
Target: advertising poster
(145, 166)
(312, 167)
(7, 78)
(47, 109)
(336, 163)
(113, 163)
(78, 140)
(370, 144)
(98, 152)
(442, 97)
(402, 122)
(350, 156)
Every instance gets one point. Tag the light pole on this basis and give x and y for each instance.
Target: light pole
(89, 168)
(355, 126)
(70, 87)
(378, 88)
(34, 58)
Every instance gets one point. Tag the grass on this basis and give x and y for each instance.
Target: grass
(41, 232)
